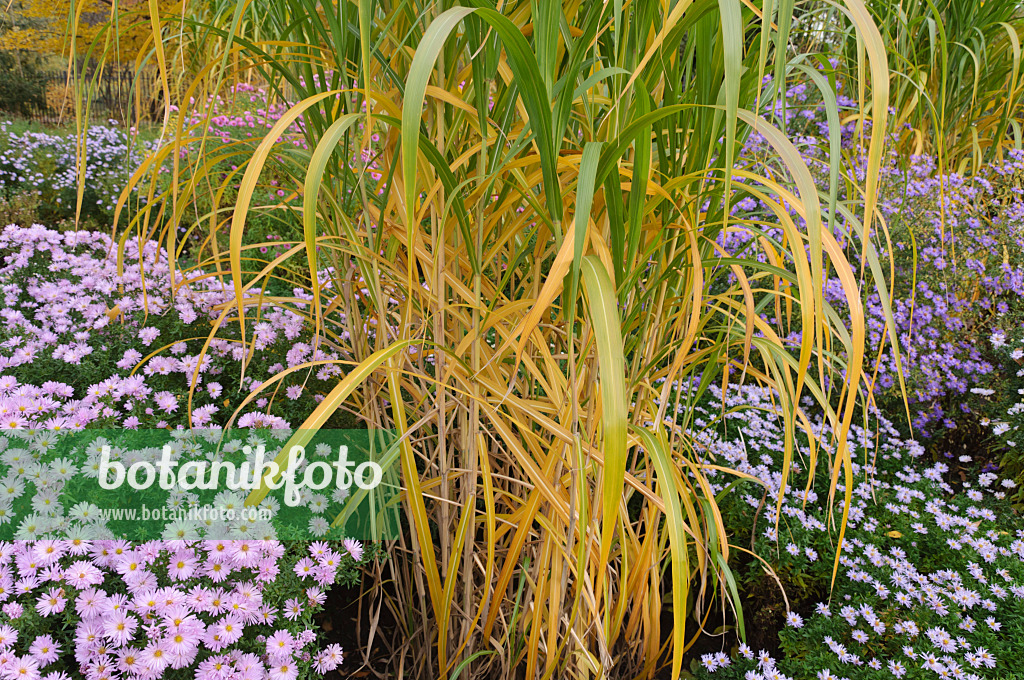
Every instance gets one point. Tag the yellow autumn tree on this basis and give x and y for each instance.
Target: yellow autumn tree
(41, 26)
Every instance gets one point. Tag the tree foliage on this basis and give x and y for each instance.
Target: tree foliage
(43, 27)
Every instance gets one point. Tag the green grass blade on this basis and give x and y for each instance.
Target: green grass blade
(604, 318)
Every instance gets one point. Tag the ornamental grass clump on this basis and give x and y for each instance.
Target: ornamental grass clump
(531, 233)
(958, 77)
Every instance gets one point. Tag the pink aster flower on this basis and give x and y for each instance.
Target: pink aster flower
(148, 335)
(48, 551)
(328, 659)
(218, 602)
(243, 553)
(284, 670)
(13, 421)
(24, 668)
(316, 596)
(44, 650)
(182, 645)
(129, 661)
(218, 571)
(166, 401)
(90, 603)
(8, 636)
(293, 609)
(155, 656)
(181, 566)
(266, 615)
(83, 574)
(304, 567)
(230, 629)
(129, 360)
(118, 627)
(280, 645)
(354, 548)
(52, 602)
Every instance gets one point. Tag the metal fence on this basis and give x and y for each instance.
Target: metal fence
(117, 93)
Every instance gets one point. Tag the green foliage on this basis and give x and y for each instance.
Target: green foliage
(22, 86)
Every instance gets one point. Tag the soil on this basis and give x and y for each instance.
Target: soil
(344, 622)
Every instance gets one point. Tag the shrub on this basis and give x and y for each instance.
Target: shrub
(22, 88)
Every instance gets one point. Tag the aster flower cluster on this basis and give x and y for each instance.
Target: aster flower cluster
(125, 352)
(1007, 412)
(245, 113)
(46, 166)
(969, 274)
(931, 579)
(107, 609)
(957, 253)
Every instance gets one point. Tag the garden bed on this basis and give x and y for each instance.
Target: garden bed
(675, 353)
